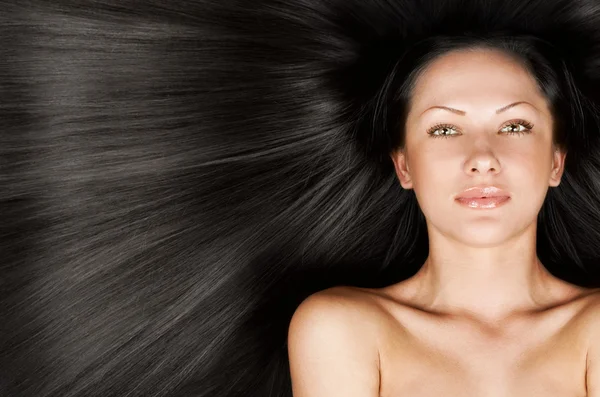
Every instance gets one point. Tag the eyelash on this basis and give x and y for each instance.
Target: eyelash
(528, 127)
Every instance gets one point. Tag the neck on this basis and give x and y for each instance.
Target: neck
(489, 283)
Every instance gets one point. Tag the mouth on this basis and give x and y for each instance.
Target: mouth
(483, 202)
(483, 197)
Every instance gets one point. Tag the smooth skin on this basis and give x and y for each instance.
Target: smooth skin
(482, 317)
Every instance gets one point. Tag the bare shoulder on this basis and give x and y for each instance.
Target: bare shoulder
(591, 318)
(342, 305)
(332, 346)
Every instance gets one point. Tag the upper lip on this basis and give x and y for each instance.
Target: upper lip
(483, 191)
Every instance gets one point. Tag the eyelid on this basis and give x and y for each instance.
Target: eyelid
(436, 127)
(527, 124)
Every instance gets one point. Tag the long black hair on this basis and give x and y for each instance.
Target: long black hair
(177, 176)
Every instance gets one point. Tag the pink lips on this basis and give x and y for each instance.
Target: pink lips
(483, 197)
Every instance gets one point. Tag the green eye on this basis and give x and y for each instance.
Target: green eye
(442, 130)
(517, 127)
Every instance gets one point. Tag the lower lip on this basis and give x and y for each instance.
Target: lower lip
(483, 203)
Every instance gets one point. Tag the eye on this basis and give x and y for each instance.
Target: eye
(519, 127)
(514, 127)
(441, 131)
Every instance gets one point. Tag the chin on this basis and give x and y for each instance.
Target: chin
(482, 236)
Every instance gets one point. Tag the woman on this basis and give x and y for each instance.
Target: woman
(225, 198)
(482, 315)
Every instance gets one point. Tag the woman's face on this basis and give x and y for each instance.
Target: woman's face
(447, 152)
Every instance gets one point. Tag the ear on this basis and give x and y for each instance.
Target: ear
(558, 167)
(402, 169)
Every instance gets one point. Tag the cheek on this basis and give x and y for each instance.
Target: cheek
(529, 165)
(528, 173)
(435, 176)
(428, 165)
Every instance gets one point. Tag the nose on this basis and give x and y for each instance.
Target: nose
(482, 163)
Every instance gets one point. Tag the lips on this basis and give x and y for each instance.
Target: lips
(483, 197)
(478, 192)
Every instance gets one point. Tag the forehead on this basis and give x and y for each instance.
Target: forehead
(464, 77)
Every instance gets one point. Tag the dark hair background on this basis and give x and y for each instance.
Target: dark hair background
(177, 176)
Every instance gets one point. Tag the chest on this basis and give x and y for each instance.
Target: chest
(424, 359)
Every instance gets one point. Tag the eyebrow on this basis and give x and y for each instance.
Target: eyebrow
(462, 112)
